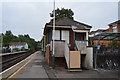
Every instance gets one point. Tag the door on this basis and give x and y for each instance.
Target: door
(75, 59)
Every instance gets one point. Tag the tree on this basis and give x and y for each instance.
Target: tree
(23, 49)
(32, 44)
(7, 38)
(59, 13)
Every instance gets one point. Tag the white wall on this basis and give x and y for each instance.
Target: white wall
(19, 47)
(89, 58)
(26, 46)
(59, 48)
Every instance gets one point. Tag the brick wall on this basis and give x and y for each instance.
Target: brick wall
(104, 42)
(60, 61)
(48, 55)
(118, 26)
(71, 40)
(110, 28)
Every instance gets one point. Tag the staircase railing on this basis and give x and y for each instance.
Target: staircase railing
(67, 54)
(81, 46)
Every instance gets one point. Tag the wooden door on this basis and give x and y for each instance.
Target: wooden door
(75, 59)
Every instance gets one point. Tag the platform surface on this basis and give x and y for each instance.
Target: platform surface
(37, 69)
(34, 68)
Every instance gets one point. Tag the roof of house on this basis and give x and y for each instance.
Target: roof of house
(116, 22)
(99, 30)
(115, 36)
(69, 22)
(17, 43)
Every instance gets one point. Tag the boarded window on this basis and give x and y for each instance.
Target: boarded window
(65, 36)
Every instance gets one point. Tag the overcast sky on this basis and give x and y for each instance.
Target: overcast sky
(30, 17)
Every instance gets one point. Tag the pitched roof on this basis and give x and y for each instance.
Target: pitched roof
(116, 22)
(17, 43)
(114, 36)
(69, 22)
(99, 30)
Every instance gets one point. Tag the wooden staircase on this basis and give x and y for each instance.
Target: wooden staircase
(73, 59)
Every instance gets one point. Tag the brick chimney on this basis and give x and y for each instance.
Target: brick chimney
(110, 28)
(118, 26)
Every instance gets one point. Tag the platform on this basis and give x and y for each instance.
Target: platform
(31, 69)
(35, 68)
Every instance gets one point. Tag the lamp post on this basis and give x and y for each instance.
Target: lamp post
(53, 52)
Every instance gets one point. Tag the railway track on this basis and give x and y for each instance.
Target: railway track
(12, 59)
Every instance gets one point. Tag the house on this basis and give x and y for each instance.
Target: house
(114, 27)
(106, 36)
(106, 46)
(18, 45)
(71, 41)
(99, 31)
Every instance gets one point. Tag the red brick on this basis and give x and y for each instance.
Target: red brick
(110, 28)
(118, 26)
(71, 40)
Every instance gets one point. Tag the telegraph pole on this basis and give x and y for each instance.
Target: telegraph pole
(53, 52)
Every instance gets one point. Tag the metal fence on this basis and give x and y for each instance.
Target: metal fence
(107, 58)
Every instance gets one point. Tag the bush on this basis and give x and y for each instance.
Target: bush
(22, 49)
(16, 49)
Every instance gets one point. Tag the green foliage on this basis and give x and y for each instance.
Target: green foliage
(1, 40)
(25, 38)
(59, 13)
(22, 49)
(8, 37)
(16, 49)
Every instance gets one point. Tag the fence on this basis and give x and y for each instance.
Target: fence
(107, 58)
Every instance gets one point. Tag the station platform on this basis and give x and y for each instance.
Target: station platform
(35, 68)
(32, 69)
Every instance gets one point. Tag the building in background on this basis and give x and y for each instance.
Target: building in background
(114, 27)
(106, 47)
(18, 46)
(106, 36)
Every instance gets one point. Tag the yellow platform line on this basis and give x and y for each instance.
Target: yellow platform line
(18, 70)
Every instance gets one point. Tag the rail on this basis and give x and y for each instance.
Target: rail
(10, 60)
(67, 54)
(81, 46)
(3, 54)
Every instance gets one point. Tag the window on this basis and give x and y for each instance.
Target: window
(65, 35)
(57, 35)
(115, 29)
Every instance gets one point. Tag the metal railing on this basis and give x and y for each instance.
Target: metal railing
(107, 58)
(81, 46)
(67, 54)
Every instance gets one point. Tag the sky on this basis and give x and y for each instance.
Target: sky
(119, 10)
(31, 17)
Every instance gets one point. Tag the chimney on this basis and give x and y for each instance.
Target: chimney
(110, 28)
(118, 27)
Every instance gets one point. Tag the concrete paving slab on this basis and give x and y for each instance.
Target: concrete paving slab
(34, 69)
(38, 69)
